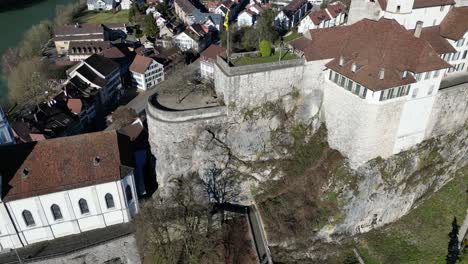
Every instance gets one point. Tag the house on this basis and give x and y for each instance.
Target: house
(101, 73)
(290, 15)
(195, 37)
(125, 4)
(105, 5)
(146, 72)
(207, 60)
(333, 15)
(249, 15)
(189, 14)
(78, 32)
(184, 9)
(6, 134)
(81, 50)
(223, 8)
(166, 35)
(59, 187)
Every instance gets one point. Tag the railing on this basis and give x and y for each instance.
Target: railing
(246, 69)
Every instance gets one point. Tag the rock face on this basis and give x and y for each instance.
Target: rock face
(388, 189)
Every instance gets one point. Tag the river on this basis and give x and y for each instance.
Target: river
(16, 22)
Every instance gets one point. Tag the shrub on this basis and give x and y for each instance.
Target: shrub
(265, 48)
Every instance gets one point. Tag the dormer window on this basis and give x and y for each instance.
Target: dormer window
(25, 173)
(341, 62)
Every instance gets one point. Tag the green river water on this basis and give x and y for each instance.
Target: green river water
(15, 22)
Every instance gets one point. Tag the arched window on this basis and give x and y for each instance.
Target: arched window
(83, 206)
(109, 200)
(128, 193)
(56, 213)
(28, 218)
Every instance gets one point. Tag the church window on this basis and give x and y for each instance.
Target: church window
(83, 206)
(415, 93)
(428, 74)
(442, 8)
(350, 85)
(109, 201)
(128, 193)
(342, 81)
(56, 213)
(436, 73)
(464, 54)
(28, 218)
(398, 8)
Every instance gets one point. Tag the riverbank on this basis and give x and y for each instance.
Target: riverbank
(20, 20)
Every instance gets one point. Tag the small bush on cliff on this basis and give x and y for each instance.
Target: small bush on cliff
(265, 48)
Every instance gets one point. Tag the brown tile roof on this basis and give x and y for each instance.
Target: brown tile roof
(212, 51)
(61, 164)
(455, 23)
(422, 3)
(336, 8)
(140, 64)
(79, 29)
(371, 45)
(293, 6)
(318, 16)
(439, 43)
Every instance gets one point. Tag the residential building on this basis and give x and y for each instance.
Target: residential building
(368, 80)
(249, 15)
(81, 50)
(105, 5)
(64, 186)
(146, 72)
(190, 14)
(333, 15)
(195, 37)
(6, 134)
(125, 4)
(290, 15)
(101, 73)
(207, 60)
(407, 13)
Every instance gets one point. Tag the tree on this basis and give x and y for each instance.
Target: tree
(250, 39)
(35, 39)
(265, 26)
(265, 48)
(132, 13)
(28, 82)
(66, 14)
(150, 27)
(10, 59)
(453, 246)
(123, 116)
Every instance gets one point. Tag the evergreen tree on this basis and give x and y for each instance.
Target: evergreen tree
(453, 246)
(150, 27)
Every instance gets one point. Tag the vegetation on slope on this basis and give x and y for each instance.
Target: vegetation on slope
(422, 235)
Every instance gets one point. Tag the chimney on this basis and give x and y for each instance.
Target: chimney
(341, 62)
(418, 29)
(381, 73)
(353, 67)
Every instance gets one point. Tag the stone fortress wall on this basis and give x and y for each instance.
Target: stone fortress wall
(361, 131)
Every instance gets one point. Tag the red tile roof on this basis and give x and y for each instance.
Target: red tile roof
(371, 45)
(140, 64)
(439, 43)
(212, 51)
(318, 16)
(75, 105)
(61, 164)
(293, 6)
(455, 23)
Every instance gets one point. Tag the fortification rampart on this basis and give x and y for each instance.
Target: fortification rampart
(450, 111)
(254, 85)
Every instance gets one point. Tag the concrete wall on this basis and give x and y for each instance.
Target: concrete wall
(450, 111)
(254, 85)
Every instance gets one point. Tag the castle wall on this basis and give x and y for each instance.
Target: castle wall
(357, 128)
(450, 111)
(174, 138)
(254, 85)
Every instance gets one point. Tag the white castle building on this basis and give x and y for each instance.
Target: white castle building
(58, 187)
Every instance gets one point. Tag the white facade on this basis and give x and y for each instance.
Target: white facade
(400, 10)
(245, 19)
(100, 5)
(125, 4)
(79, 210)
(459, 59)
(154, 74)
(185, 42)
(207, 69)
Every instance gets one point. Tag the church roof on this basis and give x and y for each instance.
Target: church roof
(372, 46)
(61, 164)
(455, 23)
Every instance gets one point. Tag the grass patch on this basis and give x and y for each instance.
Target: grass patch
(104, 17)
(292, 36)
(248, 60)
(422, 235)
